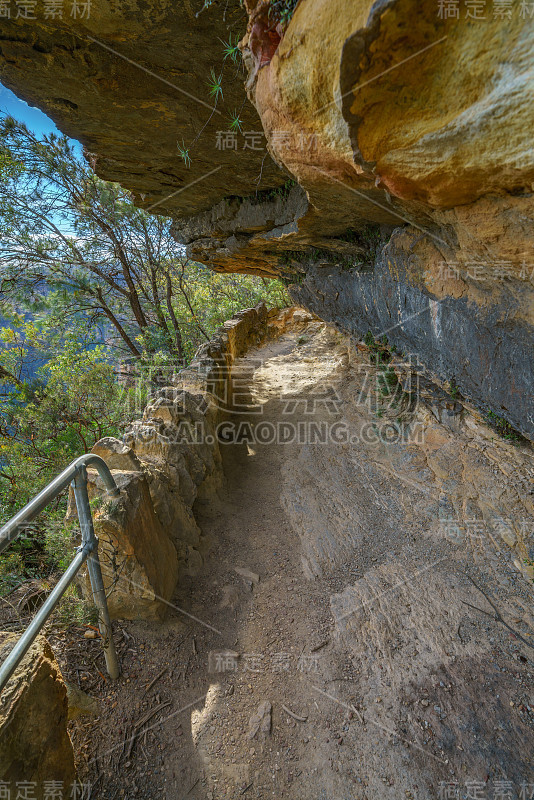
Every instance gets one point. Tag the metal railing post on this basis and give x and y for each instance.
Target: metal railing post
(76, 474)
(95, 573)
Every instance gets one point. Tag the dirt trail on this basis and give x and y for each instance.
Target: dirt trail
(268, 697)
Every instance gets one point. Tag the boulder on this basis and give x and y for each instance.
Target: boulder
(34, 742)
(117, 455)
(138, 558)
(81, 704)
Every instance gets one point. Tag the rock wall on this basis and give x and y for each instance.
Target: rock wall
(486, 350)
(168, 460)
(416, 122)
(414, 468)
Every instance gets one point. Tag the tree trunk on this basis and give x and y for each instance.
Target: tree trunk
(122, 333)
(177, 332)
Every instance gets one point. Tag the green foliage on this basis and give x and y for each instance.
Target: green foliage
(231, 54)
(9, 166)
(289, 256)
(231, 49)
(389, 389)
(268, 195)
(12, 571)
(367, 242)
(453, 389)
(317, 255)
(59, 540)
(280, 192)
(282, 10)
(351, 236)
(41, 552)
(235, 122)
(215, 85)
(379, 352)
(216, 297)
(503, 428)
(183, 152)
(74, 610)
(388, 380)
(47, 420)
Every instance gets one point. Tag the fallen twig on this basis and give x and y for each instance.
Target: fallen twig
(295, 716)
(123, 746)
(150, 713)
(92, 785)
(15, 609)
(155, 680)
(497, 614)
(100, 673)
(140, 722)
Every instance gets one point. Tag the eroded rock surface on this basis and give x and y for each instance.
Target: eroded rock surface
(35, 748)
(417, 120)
(139, 561)
(477, 336)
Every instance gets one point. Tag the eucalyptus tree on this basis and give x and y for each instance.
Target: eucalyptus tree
(78, 245)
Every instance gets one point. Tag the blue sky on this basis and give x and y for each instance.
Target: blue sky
(36, 121)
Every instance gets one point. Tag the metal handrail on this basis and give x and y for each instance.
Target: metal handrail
(76, 474)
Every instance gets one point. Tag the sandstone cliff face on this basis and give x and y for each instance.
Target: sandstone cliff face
(131, 82)
(405, 133)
